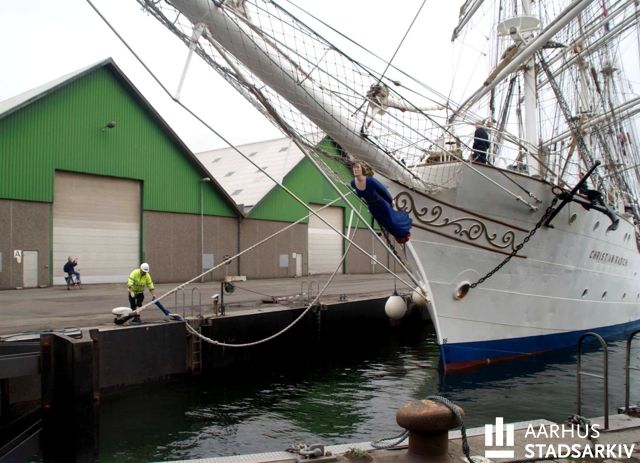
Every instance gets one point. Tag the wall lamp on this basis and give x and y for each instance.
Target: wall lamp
(110, 125)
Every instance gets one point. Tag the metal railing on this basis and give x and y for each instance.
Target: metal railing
(180, 292)
(308, 294)
(604, 377)
(195, 290)
(627, 371)
(180, 297)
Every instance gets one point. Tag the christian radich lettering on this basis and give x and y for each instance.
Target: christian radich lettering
(575, 450)
(607, 258)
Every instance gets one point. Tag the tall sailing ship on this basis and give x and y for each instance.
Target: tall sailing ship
(520, 254)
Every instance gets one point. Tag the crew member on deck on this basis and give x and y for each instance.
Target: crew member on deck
(380, 203)
(481, 144)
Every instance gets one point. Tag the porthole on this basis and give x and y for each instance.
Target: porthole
(596, 226)
(604, 295)
(462, 290)
(573, 218)
(584, 293)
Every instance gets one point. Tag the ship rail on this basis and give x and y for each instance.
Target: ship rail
(604, 376)
(627, 371)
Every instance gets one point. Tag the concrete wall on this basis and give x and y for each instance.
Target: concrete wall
(25, 226)
(172, 245)
(131, 356)
(358, 262)
(264, 260)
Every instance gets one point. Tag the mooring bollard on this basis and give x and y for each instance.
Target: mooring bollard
(428, 423)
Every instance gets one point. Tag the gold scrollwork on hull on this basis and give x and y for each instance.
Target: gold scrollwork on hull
(466, 229)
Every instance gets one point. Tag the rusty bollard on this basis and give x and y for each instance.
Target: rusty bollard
(428, 423)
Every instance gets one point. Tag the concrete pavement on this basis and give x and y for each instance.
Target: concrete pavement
(39, 309)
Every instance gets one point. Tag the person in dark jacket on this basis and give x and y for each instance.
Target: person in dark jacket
(70, 269)
(481, 144)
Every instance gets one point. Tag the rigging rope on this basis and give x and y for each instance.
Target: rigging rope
(191, 329)
(416, 109)
(286, 328)
(366, 50)
(287, 190)
(402, 41)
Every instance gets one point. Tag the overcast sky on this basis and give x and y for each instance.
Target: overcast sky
(41, 40)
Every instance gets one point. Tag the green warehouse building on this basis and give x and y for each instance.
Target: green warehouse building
(89, 169)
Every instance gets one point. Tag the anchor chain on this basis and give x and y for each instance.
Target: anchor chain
(517, 249)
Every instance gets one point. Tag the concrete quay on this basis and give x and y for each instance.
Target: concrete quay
(55, 308)
(532, 440)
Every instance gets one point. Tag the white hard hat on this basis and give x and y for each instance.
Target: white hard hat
(144, 267)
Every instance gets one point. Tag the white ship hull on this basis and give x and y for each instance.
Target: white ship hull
(567, 280)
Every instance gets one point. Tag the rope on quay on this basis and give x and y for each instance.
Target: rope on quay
(397, 440)
(463, 431)
(197, 333)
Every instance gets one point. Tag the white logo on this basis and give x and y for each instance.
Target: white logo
(556, 442)
(504, 438)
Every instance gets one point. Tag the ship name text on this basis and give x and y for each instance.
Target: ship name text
(607, 258)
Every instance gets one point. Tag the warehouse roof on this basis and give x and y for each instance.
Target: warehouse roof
(22, 100)
(241, 175)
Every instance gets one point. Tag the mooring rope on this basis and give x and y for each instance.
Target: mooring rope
(235, 256)
(397, 440)
(251, 161)
(204, 338)
(280, 184)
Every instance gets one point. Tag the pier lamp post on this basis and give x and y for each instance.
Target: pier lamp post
(202, 182)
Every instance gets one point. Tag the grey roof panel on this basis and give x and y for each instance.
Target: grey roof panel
(278, 157)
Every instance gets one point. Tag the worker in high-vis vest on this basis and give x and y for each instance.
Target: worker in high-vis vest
(138, 280)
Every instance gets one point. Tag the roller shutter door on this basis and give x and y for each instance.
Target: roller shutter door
(325, 245)
(96, 219)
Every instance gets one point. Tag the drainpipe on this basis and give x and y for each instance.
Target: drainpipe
(202, 182)
(239, 222)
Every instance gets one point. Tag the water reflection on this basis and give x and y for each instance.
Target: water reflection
(344, 392)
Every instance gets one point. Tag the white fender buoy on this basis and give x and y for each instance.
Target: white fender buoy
(395, 307)
(121, 311)
(418, 299)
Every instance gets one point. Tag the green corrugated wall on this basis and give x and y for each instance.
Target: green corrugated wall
(64, 131)
(310, 186)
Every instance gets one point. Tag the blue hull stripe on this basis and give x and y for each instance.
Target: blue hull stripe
(468, 354)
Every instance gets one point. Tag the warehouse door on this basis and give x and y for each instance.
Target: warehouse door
(29, 269)
(325, 245)
(97, 220)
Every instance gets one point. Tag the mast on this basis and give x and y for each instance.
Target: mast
(523, 55)
(530, 104)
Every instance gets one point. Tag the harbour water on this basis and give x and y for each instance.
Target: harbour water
(347, 392)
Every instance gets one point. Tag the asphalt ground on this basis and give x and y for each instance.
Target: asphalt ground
(54, 308)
